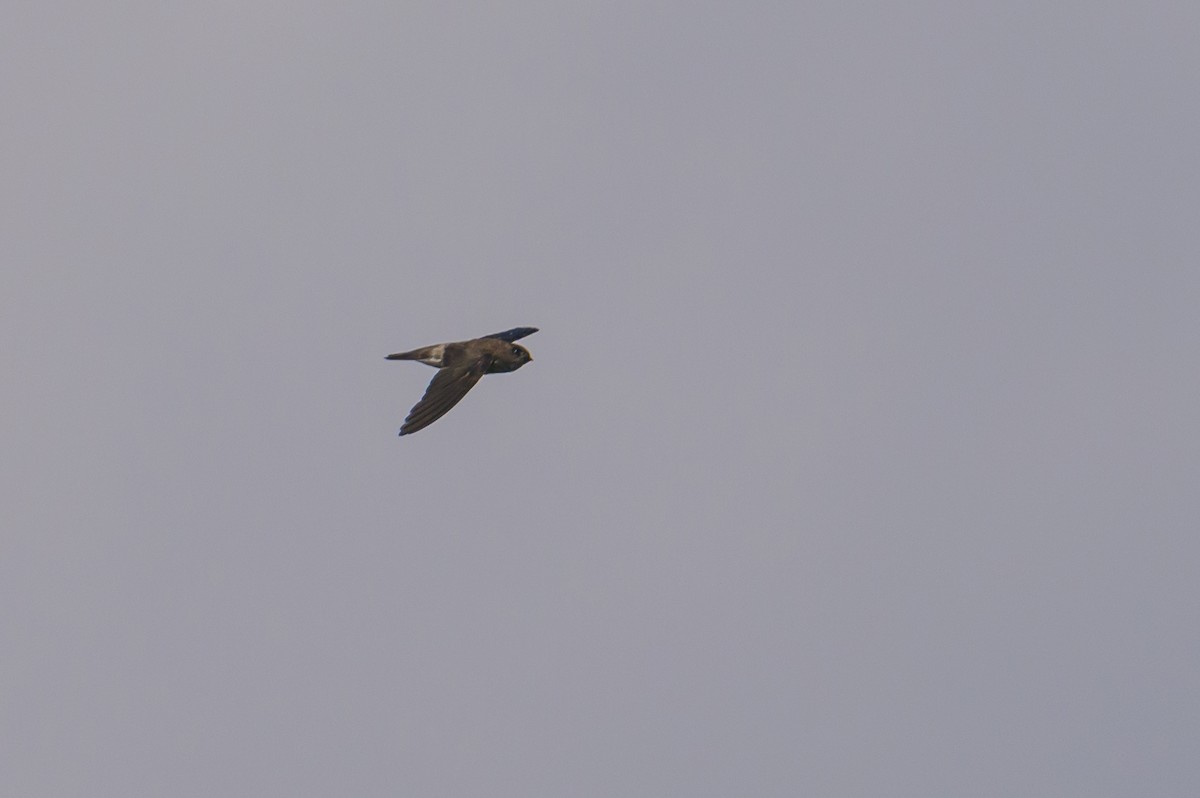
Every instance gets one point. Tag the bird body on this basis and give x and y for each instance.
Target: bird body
(460, 365)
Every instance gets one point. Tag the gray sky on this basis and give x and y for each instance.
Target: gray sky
(859, 455)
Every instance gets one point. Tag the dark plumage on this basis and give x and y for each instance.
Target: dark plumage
(460, 365)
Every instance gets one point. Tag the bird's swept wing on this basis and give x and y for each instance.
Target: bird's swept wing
(513, 334)
(448, 386)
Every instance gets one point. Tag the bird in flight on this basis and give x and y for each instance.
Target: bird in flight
(460, 365)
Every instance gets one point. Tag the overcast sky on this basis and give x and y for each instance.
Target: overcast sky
(859, 455)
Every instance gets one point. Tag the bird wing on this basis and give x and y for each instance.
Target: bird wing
(513, 334)
(446, 388)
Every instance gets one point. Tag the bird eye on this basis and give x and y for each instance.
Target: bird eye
(516, 350)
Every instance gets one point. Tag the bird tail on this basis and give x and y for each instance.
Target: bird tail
(429, 355)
